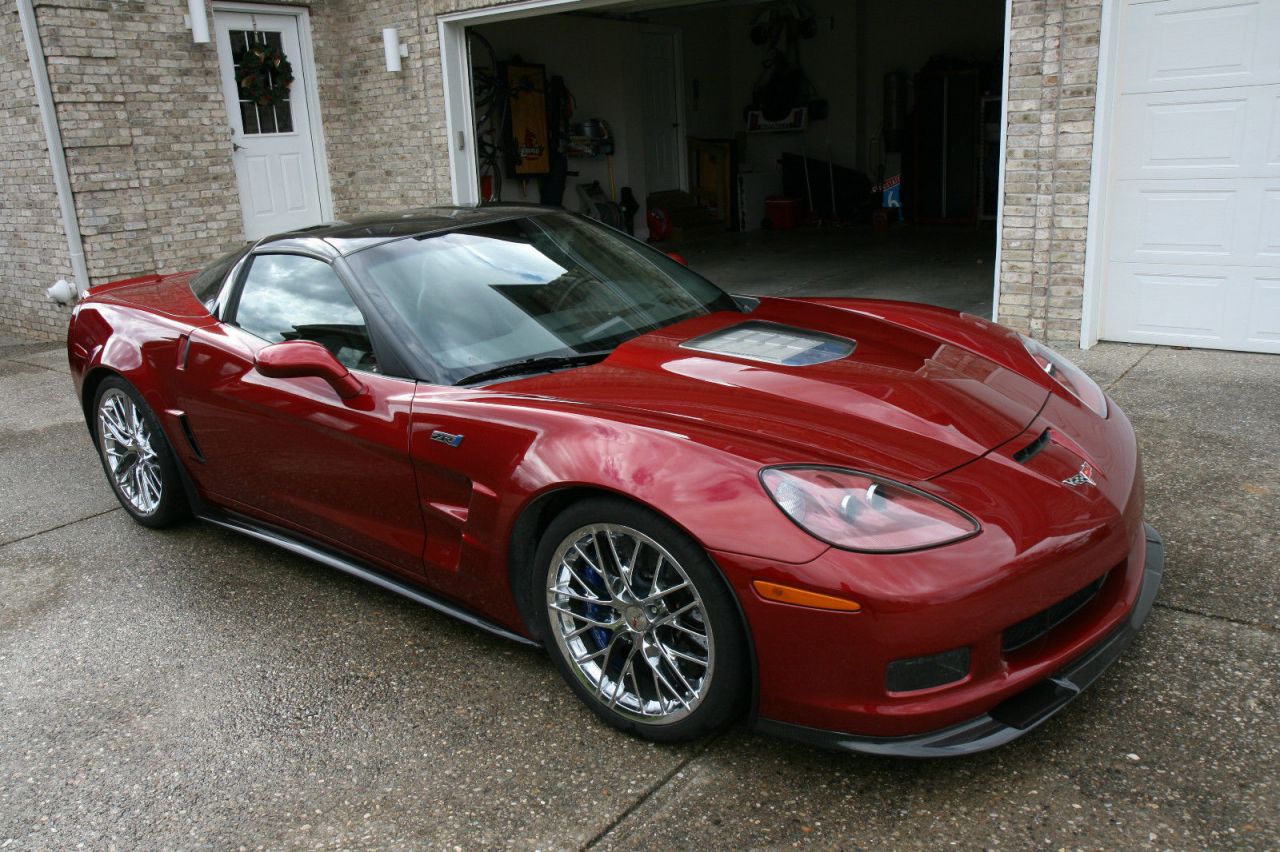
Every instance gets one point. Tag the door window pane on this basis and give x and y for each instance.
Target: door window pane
(289, 297)
(258, 118)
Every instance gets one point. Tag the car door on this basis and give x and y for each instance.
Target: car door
(291, 451)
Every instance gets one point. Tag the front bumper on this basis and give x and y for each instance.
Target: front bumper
(1017, 714)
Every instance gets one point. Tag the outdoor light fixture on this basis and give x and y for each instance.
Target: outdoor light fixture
(392, 48)
(61, 292)
(198, 21)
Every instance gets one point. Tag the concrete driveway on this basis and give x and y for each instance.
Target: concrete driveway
(192, 688)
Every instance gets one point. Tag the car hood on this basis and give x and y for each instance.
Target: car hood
(905, 403)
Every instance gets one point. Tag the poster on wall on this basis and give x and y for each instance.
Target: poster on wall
(528, 151)
(795, 119)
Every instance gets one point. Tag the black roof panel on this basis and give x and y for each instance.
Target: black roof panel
(363, 231)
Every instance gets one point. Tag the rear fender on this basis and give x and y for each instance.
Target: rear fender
(143, 348)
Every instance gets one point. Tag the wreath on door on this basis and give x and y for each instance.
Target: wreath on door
(265, 74)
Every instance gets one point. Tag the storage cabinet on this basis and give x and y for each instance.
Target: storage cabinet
(711, 177)
(948, 127)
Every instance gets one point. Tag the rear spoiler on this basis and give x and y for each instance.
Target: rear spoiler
(99, 289)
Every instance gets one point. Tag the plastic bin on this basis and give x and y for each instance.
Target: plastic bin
(782, 212)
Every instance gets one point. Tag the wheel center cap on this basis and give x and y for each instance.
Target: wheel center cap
(637, 620)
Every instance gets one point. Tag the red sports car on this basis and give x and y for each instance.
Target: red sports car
(875, 526)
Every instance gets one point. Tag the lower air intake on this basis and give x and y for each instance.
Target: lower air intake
(1030, 629)
(914, 673)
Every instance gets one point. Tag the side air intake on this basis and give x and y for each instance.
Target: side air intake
(1033, 449)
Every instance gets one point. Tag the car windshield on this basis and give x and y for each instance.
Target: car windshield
(547, 286)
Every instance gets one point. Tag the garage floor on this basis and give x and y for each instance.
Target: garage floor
(194, 688)
(952, 267)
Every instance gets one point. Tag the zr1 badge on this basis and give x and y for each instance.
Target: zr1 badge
(446, 438)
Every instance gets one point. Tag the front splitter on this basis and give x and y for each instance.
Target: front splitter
(1017, 714)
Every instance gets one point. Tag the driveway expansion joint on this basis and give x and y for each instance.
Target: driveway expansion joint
(59, 527)
(1268, 628)
(649, 794)
(36, 366)
(1129, 369)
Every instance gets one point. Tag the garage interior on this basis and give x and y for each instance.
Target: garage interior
(789, 148)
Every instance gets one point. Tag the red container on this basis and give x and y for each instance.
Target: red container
(782, 211)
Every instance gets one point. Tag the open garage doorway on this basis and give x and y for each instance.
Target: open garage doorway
(821, 147)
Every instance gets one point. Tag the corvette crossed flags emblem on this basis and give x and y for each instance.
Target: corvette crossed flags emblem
(1084, 477)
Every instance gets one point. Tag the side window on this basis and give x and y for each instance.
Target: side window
(290, 297)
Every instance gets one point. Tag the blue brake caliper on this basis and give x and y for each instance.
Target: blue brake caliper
(599, 613)
(596, 612)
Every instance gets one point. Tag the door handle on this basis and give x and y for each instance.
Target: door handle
(236, 147)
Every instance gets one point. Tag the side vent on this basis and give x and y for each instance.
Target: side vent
(191, 436)
(1033, 449)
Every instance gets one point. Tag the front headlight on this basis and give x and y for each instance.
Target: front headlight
(858, 511)
(1072, 379)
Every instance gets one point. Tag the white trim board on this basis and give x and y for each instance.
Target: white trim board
(1095, 242)
(1004, 142)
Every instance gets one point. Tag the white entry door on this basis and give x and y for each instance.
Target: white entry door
(1193, 198)
(660, 112)
(277, 167)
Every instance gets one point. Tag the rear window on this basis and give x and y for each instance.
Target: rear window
(208, 282)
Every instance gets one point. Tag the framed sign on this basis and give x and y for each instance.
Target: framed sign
(528, 149)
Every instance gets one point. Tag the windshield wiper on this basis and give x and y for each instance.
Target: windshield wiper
(540, 364)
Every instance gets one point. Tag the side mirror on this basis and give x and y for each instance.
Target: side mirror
(295, 359)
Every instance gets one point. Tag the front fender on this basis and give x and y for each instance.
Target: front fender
(710, 490)
(515, 452)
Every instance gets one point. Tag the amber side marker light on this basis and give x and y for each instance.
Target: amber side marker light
(800, 597)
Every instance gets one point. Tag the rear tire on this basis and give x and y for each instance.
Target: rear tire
(137, 458)
(639, 621)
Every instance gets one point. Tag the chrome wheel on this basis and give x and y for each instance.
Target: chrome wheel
(630, 623)
(126, 447)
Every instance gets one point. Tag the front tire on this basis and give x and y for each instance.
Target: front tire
(136, 456)
(638, 621)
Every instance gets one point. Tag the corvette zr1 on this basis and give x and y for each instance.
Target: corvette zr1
(875, 526)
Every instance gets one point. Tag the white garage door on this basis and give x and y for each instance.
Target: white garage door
(1193, 215)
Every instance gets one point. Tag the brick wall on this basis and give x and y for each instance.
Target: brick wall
(143, 124)
(394, 150)
(33, 248)
(1052, 85)
(380, 127)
